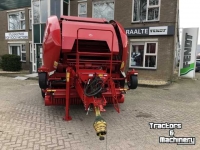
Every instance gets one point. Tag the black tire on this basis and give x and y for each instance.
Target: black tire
(133, 82)
(42, 80)
(43, 94)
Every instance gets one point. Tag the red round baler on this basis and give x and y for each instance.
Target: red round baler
(84, 62)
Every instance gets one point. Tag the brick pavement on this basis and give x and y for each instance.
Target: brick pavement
(25, 123)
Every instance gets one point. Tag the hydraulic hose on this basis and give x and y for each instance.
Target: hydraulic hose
(93, 87)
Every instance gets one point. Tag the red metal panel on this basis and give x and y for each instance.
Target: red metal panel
(51, 43)
(69, 34)
(85, 74)
(96, 20)
(67, 104)
(91, 49)
(99, 34)
(52, 101)
(124, 39)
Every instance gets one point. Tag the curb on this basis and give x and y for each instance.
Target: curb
(13, 75)
(8, 75)
(155, 86)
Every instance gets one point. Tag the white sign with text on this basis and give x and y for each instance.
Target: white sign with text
(161, 30)
(16, 35)
(188, 52)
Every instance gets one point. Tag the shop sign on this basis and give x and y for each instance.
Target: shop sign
(137, 31)
(188, 52)
(16, 35)
(158, 30)
(149, 31)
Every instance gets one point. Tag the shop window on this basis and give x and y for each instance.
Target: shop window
(44, 11)
(146, 10)
(55, 8)
(65, 8)
(40, 11)
(16, 20)
(30, 19)
(82, 9)
(143, 55)
(43, 26)
(18, 49)
(37, 32)
(103, 9)
(36, 12)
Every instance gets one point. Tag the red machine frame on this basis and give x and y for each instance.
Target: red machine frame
(80, 73)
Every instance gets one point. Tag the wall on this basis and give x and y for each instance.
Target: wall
(164, 60)
(4, 43)
(166, 44)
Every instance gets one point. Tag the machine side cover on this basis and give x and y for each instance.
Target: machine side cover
(51, 43)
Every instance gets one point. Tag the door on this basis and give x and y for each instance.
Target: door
(39, 55)
(34, 64)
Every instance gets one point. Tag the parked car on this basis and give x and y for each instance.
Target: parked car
(197, 65)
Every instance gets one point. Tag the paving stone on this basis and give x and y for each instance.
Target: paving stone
(25, 123)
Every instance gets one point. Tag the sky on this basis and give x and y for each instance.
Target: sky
(190, 14)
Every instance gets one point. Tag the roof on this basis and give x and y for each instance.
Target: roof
(14, 4)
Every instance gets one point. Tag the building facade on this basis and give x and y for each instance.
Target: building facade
(41, 10)
(151, 26)
(152, 29)
(15, 29)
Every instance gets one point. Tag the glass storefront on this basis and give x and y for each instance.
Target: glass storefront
(41, 10)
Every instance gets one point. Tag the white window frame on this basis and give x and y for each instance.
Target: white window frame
(103, 1)
(30, 18)
(136, 42)
(31, 52)
(148, 6)
(80, 2)
(19, 51)
(49, 7)
(68, 7)
(15, 12)
(39, 7)
(32, 9)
